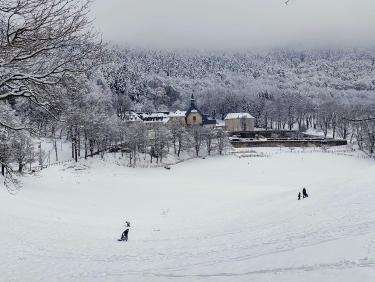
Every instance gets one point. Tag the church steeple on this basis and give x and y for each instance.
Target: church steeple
(192, 102)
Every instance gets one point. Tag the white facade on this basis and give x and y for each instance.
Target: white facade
(239, 122)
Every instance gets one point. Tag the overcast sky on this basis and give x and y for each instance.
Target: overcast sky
(236, 24)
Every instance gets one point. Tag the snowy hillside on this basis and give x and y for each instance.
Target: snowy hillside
(219, 219)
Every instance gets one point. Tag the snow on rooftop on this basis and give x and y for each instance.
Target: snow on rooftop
(133, 117)
(160, 115)
(178, 114)
(238, 115)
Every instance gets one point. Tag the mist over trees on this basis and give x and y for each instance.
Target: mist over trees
(58, 81)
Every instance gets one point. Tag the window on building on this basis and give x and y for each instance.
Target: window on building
(194, 119)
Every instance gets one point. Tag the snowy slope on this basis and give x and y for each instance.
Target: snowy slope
(219, 219)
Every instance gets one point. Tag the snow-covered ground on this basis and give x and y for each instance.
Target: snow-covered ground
(218, 219)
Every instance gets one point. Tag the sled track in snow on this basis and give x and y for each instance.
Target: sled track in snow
(346, 264)
(325, 266)
(331, 266)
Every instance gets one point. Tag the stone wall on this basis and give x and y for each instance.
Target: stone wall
(288, 143)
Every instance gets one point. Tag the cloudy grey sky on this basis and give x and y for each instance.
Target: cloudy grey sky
(243, 24)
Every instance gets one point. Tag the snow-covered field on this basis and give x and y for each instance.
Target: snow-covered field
(218, 219)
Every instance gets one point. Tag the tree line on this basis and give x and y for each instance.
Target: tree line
(58, 80)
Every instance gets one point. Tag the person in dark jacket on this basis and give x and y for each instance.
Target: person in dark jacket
(124, 236)
(299, 196)
(304, 193)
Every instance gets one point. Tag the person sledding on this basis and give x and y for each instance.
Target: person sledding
(125, 234)
(304, 193)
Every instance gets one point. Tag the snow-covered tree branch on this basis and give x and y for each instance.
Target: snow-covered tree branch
(43, 42)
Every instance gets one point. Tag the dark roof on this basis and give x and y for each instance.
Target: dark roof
(153, 119)
(208, 120)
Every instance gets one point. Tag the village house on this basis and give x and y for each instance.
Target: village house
(132, 117)
(177, 117)
(193, 116)
(158, 118)
(239, 122)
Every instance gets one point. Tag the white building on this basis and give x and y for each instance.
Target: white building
(239, 122)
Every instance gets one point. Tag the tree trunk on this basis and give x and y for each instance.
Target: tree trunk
(86, 149)
(174, 144)
(73, 148)
(55, 147)
(91, 145)
(79, 143)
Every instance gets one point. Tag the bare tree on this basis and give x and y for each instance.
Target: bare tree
(10, 181)
(176, 130)
(209, 135)
(179, 136)
(136, 140)
(161, 137)
(222, 140)
(369, 129)
(197, 138)
(43, 42)
(365, 134)
(5, 149)
(22, 150)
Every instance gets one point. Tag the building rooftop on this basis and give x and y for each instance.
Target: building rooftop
(132, 116)
(178, 114)
(238, 115)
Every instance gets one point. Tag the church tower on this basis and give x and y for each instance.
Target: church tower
(194, 115)
(192, 102)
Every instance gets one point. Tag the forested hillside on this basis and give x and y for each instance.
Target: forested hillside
(282, 88)
(166, 78)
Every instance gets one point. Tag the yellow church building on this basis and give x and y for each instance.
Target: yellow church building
(194, 116)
